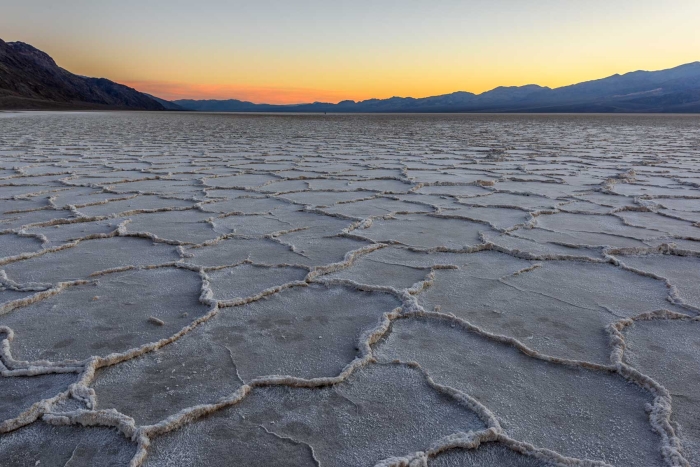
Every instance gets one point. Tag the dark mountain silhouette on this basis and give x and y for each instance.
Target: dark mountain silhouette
(30, 79)
(673, 90)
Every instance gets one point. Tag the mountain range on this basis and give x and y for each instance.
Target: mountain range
(673, 90)
(31, 79)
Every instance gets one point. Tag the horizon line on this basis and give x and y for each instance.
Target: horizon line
(143, 86)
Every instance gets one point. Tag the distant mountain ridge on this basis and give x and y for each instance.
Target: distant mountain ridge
(672, 90)
(31, 79)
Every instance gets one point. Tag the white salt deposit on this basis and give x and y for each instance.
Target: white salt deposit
(190, 289)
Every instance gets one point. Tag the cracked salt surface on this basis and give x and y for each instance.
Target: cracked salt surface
(349, 290)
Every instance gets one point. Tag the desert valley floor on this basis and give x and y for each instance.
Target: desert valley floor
(181, 289)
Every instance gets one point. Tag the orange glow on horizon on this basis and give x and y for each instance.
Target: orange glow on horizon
(281, 52)
(256, 94)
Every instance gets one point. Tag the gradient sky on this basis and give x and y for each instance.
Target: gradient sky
(313, 50)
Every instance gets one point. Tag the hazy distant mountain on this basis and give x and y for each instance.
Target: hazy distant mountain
(167, 104)
(30, 79)
(228, 105)
(673, 90)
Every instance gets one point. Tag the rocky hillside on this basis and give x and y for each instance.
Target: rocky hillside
(31, 79)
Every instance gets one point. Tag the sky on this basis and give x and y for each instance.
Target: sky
(290, 51)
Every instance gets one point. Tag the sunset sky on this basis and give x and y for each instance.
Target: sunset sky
(304, 51)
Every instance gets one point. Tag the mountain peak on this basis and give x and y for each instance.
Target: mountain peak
(31, 52)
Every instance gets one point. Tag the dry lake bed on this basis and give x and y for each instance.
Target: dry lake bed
(181, 289)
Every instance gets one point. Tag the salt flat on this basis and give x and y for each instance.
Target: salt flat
(185, 289)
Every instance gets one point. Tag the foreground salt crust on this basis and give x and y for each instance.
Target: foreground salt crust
(351, 290)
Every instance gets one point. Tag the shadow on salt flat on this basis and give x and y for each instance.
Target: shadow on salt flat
(307, 332)
(381, 411)
(669, 352)
(44, 445)
(247, 280)
(90, 256)
(20, 392)
(425, 232)
(486, 455)
(576, 412)
(560, 308)
(112, 316)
